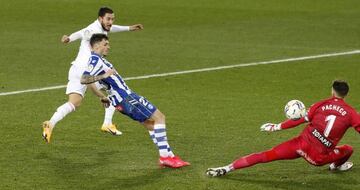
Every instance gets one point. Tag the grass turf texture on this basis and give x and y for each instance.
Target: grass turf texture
(212, 117)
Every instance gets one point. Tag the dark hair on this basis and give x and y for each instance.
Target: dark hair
(95, 38)
(104, 10)
(341, 87)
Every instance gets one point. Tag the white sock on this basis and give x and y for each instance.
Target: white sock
(170, 153)
(61, 112)
(161, 138)
(109, 112)
(152, 136)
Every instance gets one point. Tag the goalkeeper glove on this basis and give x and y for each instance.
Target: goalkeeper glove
(270, 127)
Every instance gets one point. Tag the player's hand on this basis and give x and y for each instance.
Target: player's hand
(109, 72)
(136, 27)
(270, 127)
(105, 101)
(65, 39)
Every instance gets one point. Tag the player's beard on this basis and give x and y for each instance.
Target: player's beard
(102, 25)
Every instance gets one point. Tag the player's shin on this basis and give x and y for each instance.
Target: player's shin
(61, 112)
(250, 160)
(109, 112)
(161, 139)
(152, 136)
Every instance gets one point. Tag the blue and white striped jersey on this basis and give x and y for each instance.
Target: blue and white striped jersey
(115, 85)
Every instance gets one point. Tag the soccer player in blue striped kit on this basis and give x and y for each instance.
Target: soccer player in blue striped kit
(126, 101)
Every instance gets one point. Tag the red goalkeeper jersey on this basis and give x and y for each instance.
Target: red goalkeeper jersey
(328, 121)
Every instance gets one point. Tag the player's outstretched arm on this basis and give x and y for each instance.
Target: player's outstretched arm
(74, 36)
(103, 99)
(118, 28)
(88, 79)
(65, 39)
(293, 123)
(270, 127)
(136, 27)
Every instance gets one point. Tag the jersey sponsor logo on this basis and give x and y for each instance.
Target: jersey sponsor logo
(306, 156)
(334, 108)
(321, 138)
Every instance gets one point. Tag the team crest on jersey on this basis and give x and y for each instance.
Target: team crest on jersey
(87, 34)
(150, 106)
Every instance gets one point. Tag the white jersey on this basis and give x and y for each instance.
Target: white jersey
(85, 35)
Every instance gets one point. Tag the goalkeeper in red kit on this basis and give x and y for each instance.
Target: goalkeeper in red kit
(327, 122)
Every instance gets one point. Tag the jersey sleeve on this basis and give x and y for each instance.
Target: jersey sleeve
(87, 33)
(355, 121)
(93, 67)
(117, 28)
(75, 36)
(292, 123)
(311, 111)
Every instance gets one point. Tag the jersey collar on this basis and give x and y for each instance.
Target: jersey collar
(99, 24)
(336, 98)
(93, 53)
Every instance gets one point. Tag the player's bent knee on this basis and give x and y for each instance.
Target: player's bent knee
(159, 117)
(349, 149)
(75, 99)
(76, 103)
(163, 117)
(149, 124)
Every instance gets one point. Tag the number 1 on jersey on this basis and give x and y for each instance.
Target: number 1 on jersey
(330, 123)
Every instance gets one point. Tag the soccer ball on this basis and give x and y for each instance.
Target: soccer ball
(294, 109)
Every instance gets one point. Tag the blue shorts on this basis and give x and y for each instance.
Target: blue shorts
(136, 107)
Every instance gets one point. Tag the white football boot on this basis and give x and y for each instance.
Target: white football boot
(216, 172)
(344, 167)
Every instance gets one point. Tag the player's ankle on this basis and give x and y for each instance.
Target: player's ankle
(229, 168)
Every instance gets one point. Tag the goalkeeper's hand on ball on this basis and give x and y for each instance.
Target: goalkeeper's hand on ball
(270, 127)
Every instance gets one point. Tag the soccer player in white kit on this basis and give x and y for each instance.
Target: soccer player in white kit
(75, 90)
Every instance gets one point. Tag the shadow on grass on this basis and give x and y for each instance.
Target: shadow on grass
(146, 178)
(93, 173)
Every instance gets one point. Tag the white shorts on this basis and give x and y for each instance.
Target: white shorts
(74, 85)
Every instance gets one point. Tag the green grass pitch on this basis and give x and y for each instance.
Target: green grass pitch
(212, 117)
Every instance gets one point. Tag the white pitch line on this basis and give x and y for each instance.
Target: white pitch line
(202, 70)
